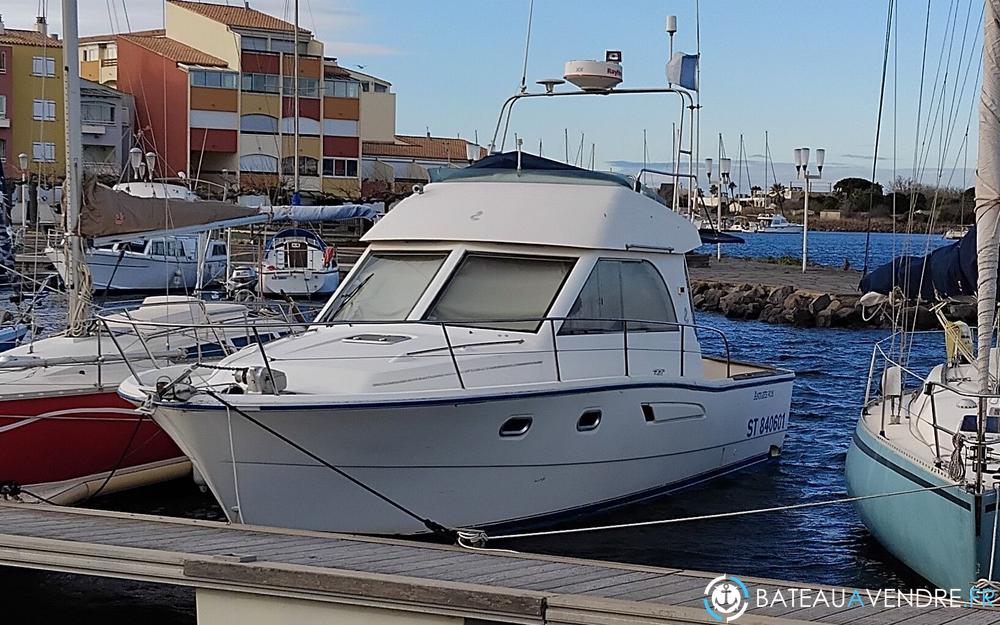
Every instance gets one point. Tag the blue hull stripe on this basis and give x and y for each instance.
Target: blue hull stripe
(919, 481)
(479, 399)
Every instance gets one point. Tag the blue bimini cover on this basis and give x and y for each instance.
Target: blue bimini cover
(947, 272)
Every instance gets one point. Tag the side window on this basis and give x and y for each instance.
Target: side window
(617, 290)
(157, 249)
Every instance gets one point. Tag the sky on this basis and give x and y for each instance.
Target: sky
(805, 71)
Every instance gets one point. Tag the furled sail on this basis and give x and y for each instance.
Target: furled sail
(108, 213)
(947, 272)
(988, 189)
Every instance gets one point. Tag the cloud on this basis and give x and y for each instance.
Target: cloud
(864, 157)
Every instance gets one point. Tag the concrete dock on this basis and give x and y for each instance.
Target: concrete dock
(251, 575)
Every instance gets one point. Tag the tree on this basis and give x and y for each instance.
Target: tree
(846, 186)
(778, 193)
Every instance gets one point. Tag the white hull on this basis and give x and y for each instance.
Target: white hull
(139, 272)
(300, 282)
(790, 229)
(445, 460)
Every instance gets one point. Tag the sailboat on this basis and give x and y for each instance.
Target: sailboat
(936, 437)
(65, 435)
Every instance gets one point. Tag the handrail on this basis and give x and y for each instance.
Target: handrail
(627, 328)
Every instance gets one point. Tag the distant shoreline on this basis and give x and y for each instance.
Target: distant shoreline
(877, 225)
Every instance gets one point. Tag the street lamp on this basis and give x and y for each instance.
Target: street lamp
(135, 159)
(22, 160)
(802, 173)
(150, 164)
(708, 172)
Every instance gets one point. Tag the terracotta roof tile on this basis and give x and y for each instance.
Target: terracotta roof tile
(416, 146)
(14, 37)
(237, 16)
(175, 50)
(155, 32)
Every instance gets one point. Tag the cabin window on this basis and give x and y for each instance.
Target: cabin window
(622, 289)
(386, 287)
(218, 249)
(157, 249)
(486, 289)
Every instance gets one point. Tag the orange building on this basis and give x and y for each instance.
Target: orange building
(214, 93)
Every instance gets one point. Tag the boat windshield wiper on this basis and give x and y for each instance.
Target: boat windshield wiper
(350, 296)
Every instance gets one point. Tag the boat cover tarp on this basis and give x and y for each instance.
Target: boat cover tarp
(324, 214)
(948, 271)
(290, 233)
(106, 212)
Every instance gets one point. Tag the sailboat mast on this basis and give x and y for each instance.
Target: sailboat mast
(988, 189)
(987, 208)
(73, 195)
(295, 101)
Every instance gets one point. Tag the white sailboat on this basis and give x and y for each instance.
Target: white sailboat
(938, 436)
(166, 262)
(65, 435)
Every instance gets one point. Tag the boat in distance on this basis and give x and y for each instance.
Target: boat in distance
(482, 373)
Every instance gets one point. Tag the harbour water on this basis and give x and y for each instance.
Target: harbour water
(832, 248)
(822, 545)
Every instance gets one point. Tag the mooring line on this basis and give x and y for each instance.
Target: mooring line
(473, 536)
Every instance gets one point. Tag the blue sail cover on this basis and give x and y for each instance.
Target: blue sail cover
(324, 214)
(948, 271)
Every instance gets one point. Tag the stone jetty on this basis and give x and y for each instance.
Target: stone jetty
(823, 297)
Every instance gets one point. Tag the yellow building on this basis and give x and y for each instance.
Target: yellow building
(34, 105)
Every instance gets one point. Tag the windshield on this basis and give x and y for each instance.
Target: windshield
(492, 288)
(386, 287)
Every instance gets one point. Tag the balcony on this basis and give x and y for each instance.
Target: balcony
(4, 122)
(102, 169)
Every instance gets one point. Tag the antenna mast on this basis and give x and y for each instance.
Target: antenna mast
(527, 44)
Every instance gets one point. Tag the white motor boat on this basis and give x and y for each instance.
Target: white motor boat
(953, 234)
(152, 264)
(297, 262)
(777, 224)
(481, 372)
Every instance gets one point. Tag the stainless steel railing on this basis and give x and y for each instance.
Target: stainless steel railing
(626, 327)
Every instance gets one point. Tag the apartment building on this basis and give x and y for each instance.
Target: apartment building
(214, 96)
(107, 126)
(31, 99)
(378, 106)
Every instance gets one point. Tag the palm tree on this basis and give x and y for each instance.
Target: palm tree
(778, 193)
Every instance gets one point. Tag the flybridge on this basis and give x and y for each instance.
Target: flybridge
(495, 166)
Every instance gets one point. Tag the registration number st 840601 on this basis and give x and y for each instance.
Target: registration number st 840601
(761, 426)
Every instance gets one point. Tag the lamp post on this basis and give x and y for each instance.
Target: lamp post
(22, 160)
(802, 172)
(135, 159)
(708, 173)
(150, 164)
